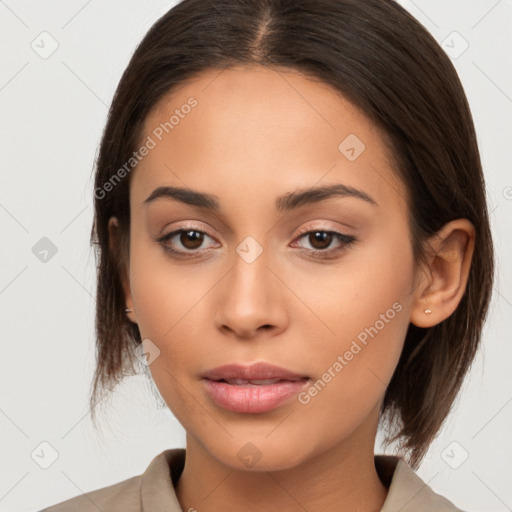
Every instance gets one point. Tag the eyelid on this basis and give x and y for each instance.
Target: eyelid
(185, 226)
(310, 228)
(196, 227)
(342, 237)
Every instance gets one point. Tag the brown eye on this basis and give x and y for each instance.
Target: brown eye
(320, 239)
(185, 241)
(191, 239)
(321, 242)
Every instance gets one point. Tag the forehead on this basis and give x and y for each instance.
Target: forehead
(267, 127)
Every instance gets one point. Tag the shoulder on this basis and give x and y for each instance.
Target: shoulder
(122, 496)
(407, 492)
(152, 490)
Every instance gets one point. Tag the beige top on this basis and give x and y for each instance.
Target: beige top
(153, 491)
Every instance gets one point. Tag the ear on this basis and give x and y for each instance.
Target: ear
(114, 240)
(450, 252)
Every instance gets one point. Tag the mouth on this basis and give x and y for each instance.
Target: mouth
(255, 389)
(256, 382)
(258, 374)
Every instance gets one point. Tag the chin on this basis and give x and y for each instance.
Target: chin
(260, 454)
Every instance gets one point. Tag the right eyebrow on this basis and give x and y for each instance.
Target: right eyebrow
(185, 195)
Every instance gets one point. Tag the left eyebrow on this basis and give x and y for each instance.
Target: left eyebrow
(302, 197)
(286, 202)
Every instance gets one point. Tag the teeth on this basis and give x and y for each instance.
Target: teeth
(264, 382)
(241, 382)
(256, 382)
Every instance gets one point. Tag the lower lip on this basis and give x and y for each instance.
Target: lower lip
(252, 399)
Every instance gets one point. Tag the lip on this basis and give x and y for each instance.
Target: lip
(255, 371)
(248, 397)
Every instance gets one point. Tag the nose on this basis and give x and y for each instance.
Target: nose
(251, 298)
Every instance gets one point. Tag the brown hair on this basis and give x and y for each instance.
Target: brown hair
(386, 63)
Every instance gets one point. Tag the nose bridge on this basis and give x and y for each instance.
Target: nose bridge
(248, 296)
(249, 274)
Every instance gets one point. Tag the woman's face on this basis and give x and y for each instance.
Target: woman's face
(248, 284)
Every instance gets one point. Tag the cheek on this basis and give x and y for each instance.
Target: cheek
(366, 307)
(162, 293)
(171, 312)
(354, 371)
(369, 287)
(164, 301)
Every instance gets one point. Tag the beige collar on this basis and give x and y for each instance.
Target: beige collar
(407, 491)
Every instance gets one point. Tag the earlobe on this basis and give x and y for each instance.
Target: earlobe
(116, 251)
(450, 252)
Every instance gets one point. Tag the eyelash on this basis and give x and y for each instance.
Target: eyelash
(345, 240)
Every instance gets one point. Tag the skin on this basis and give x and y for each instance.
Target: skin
(255, 134)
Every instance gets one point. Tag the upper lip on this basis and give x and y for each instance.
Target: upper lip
(256, 371)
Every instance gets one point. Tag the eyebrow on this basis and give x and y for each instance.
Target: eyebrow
(286, 202)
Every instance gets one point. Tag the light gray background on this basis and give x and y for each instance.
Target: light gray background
(53, 113)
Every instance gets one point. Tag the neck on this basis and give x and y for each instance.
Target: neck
(341, 478)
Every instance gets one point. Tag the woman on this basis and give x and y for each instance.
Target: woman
(293, 236)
